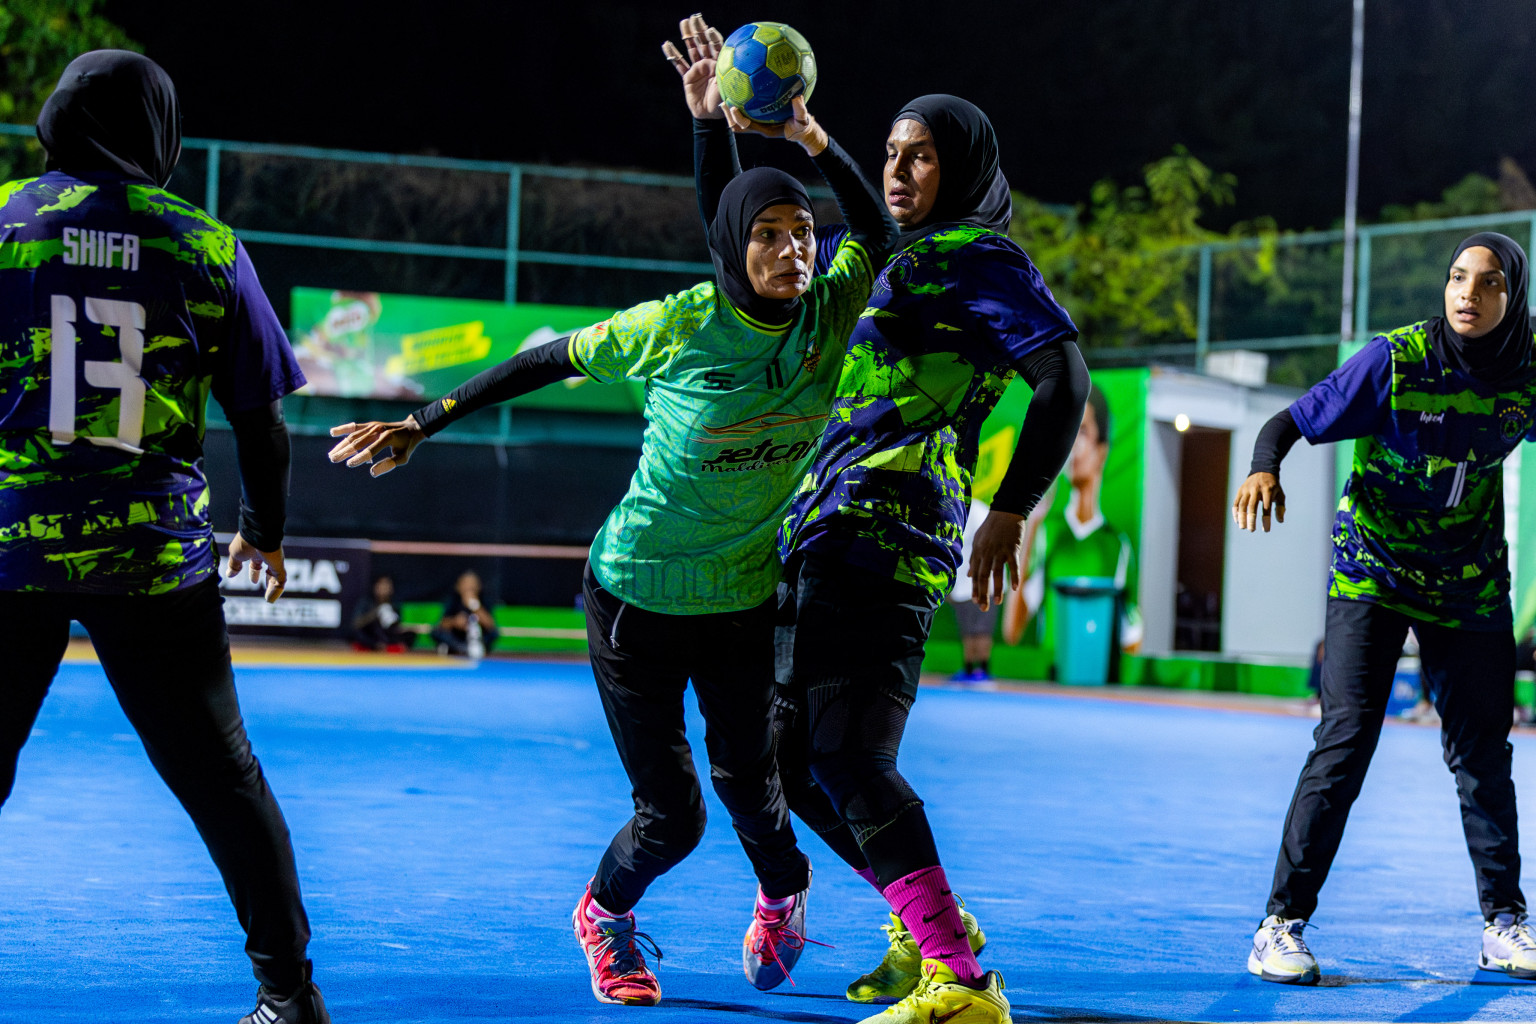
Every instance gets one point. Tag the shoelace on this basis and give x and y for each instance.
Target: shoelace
(1518, 934)
(925, 985)
(1289, 939)
(772, 936)
(624, 957)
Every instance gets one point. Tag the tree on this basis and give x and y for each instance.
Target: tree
(37, 39)
(1126, 262)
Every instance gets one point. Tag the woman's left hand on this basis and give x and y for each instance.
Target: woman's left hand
(362, 443)
(1258, 496)
(995, 551)
(700, 90)
(801, 127)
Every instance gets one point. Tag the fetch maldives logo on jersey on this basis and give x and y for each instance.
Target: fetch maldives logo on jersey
(768, 452)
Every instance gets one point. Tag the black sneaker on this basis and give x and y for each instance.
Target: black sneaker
(303, 1007)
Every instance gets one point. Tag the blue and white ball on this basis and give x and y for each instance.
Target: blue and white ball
(762, 67)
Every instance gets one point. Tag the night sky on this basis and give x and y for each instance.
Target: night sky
(1078, 91)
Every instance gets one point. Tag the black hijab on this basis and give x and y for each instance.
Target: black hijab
(1503, 355)
(972, 189)
(113, 111)
(749, 194)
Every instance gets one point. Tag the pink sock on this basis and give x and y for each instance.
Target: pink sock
(868, 874)
(926, 906)
(774, 910)
(597, 912)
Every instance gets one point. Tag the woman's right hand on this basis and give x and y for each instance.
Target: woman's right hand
(800, 127)
(1256, 498)
(703, 43)
(364, 442)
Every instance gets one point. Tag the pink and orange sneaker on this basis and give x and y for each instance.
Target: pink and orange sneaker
(614, 957)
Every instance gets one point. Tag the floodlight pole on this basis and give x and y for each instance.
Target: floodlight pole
(1352, 172)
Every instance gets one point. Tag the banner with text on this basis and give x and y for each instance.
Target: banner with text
(375, 345)
(326, 580)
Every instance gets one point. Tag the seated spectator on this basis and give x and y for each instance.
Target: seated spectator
(376, 622)
(466, 628)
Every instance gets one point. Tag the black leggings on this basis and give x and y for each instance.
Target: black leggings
(167, 658)
(643, 662)
(848, 678)
(1471, 675)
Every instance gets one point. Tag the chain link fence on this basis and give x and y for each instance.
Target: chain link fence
(590, 237)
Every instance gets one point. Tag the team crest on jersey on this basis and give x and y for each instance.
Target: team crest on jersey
(812, 358)
(1511, 424)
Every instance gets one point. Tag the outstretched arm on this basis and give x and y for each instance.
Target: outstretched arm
(527, 371)
(715, 161)
(869, 220)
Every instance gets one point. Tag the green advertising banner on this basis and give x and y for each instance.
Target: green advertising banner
(375, 345)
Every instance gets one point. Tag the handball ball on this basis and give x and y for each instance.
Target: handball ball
(762, 67)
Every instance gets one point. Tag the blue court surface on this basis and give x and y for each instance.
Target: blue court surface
(1117, 853)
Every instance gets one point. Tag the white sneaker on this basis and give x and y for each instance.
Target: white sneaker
(1281, 954)
(1509, 946)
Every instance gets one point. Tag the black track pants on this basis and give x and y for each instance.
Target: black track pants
(853, 672)
(643, 662)
(167, 658)
(1472, 676)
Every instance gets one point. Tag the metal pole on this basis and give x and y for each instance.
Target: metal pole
(1533, 248)
(211, 182)
(514, 228)
(1203, 313)
(1352, 173)
(1363, 287)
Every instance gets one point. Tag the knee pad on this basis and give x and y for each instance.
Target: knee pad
(854, 736)
(866, 790)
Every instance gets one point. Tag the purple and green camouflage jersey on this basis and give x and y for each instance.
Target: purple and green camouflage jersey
(122, 307)
(949, 320)
(1420, 526)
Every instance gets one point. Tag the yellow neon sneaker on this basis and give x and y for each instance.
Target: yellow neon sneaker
(939, 998)
(900, 968)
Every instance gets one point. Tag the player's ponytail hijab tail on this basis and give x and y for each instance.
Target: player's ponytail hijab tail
(972, 189)
(749, 194)
(113, 111)
(1503, 355)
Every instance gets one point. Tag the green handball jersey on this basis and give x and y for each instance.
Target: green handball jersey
(734, 411)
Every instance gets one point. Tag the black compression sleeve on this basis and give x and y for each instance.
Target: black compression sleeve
(1274, 442)
(1059, 379)
(715, 163)
(524, 372)
(263, 452)
(869, 220)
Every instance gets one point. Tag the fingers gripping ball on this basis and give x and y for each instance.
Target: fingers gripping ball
(763, 66)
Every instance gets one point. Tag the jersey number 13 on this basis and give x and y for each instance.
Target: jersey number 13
(127, 320)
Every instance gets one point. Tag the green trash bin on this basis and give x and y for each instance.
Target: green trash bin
(1085, 628)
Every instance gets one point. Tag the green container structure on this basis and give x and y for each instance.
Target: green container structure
(1085, 629)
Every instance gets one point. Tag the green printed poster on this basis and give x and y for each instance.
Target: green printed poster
(1089, 522)
(413, 347)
